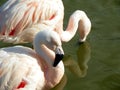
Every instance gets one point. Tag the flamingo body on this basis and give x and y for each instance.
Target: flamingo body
(22, 68)
(21, 20)
(17, 66)
(19, 16)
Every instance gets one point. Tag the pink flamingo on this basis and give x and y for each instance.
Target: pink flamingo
(20, 20)
(22, 68)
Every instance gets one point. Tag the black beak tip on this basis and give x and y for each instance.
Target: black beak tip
(58, 58)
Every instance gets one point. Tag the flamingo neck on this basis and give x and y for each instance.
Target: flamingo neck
(41, 49)
(43, 53)
(53, 75)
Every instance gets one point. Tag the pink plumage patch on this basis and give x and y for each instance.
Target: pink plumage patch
(22, 84)
(51, 17)
(12, 32)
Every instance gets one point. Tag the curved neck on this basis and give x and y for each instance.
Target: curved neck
(42, 44)
(42, 50)
(78, 20)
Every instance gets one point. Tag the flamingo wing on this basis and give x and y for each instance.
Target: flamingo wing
(19, 70)
(17, 15)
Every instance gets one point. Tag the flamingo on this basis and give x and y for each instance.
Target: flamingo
(22, 68)
(21, 20)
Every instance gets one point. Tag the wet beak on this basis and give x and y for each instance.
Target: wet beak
(58, 56)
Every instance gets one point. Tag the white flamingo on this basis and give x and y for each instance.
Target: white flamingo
(20, 20)
(22, 68)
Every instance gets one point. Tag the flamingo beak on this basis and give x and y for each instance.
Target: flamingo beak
(58, 56)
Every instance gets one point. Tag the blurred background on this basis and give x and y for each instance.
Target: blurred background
(95, 64)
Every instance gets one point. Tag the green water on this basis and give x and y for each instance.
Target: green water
(94, 65)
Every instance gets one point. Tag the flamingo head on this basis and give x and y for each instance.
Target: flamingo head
(47, 44)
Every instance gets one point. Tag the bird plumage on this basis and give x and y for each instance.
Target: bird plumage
(21, 20)
(24, 68)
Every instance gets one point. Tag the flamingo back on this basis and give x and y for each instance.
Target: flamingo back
(19, 70)
(18, 15)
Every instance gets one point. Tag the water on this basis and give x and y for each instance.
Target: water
(94, 65)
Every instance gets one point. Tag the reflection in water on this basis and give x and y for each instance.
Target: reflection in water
(62, 83)
(83, 54)
(79, 67)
